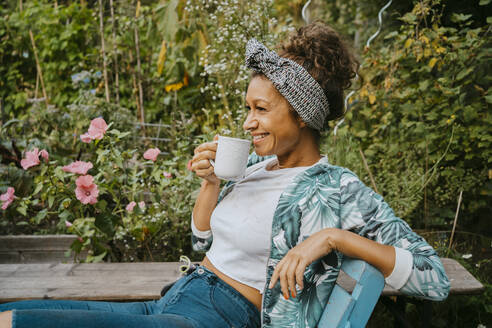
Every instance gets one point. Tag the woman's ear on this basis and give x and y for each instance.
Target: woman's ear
(301, 123)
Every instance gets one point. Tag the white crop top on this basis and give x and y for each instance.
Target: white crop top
(241, 225)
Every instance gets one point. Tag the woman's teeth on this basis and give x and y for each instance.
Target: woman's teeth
(259, 137)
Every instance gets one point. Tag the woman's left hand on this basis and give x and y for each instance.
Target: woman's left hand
(290, 270)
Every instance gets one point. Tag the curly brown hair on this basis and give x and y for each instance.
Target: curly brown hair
(324, 54)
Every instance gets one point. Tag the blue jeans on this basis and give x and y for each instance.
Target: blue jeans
(200, 299)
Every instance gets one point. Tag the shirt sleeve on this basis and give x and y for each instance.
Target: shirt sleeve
(200, 240)
(402, 269)
(365, 212)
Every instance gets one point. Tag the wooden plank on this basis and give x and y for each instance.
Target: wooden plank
(35, 257)
(141, 281)
(37, 249)
(36, 243)
(462, 281)
(94, 281)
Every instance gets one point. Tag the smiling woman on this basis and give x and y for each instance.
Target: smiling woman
(285, 227)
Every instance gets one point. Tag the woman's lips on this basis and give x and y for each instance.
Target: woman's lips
(259, 138)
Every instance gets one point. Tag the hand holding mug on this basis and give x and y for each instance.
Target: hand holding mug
(200, 163)
(224, 158)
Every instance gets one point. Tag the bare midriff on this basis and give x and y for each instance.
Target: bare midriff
(252, 294)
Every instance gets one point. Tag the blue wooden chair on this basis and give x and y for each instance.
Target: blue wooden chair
(348, 310)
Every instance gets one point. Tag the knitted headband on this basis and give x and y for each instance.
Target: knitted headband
(291, 79)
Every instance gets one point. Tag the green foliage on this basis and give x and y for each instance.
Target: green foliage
(58, 35)
(423, 119)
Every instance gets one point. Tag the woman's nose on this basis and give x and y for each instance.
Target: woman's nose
(250, 123)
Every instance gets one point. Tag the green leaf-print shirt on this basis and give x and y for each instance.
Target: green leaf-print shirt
(329, 196)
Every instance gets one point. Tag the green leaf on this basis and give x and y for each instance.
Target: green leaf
(59, 173)
(464, 73)
(484, 2)
(409, 18)
(460, 17)
(488, 98)
(169, 23)
(157, 175)
(116, 132)
(391, 35)
(66, 202)
(65, 215)
(104, 223)
(424, 85)
(40, 216)
(51, 199)
(97, 258)
(39, 186)
(102, 204)
(489, 20)
(124, 134)
(22, 210)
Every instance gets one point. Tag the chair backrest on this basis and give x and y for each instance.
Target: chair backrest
(354, 309)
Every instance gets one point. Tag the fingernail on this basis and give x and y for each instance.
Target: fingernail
(286, 296)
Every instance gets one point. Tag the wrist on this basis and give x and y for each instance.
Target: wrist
(210, 184)
(334, 239)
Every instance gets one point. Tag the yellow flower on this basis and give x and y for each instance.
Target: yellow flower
(177, 86)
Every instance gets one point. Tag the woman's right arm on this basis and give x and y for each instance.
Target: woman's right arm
(205, 205)
(207, 197)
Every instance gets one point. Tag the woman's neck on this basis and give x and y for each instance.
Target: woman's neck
(305, 154)
(284, 163)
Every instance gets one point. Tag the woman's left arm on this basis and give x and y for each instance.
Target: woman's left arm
(385, 241)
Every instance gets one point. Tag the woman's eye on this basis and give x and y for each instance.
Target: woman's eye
(257, 108)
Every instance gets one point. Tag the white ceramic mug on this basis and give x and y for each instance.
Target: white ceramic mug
(231, 158)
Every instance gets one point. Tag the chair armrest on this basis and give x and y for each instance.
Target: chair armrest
(345, 309)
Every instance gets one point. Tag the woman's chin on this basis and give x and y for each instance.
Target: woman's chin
(260, 151)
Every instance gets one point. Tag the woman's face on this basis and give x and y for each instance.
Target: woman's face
(271, 122)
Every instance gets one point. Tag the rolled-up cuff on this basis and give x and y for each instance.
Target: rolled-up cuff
(200, 234)
(402, 270)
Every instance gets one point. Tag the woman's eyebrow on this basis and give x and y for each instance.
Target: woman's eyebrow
(257, 100)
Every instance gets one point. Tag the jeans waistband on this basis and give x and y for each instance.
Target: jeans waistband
(211, 277)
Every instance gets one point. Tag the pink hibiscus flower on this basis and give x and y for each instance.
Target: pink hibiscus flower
(68, 224)
(44, 154)
(85, 138)
(167, 175)
(152, 154)
(130, 206)
(86, 190)
(141, 205)
(98, 128)
(7, 197)
(78, 167)
(32, 159)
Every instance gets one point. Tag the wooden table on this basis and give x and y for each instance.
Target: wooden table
(141, 281)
